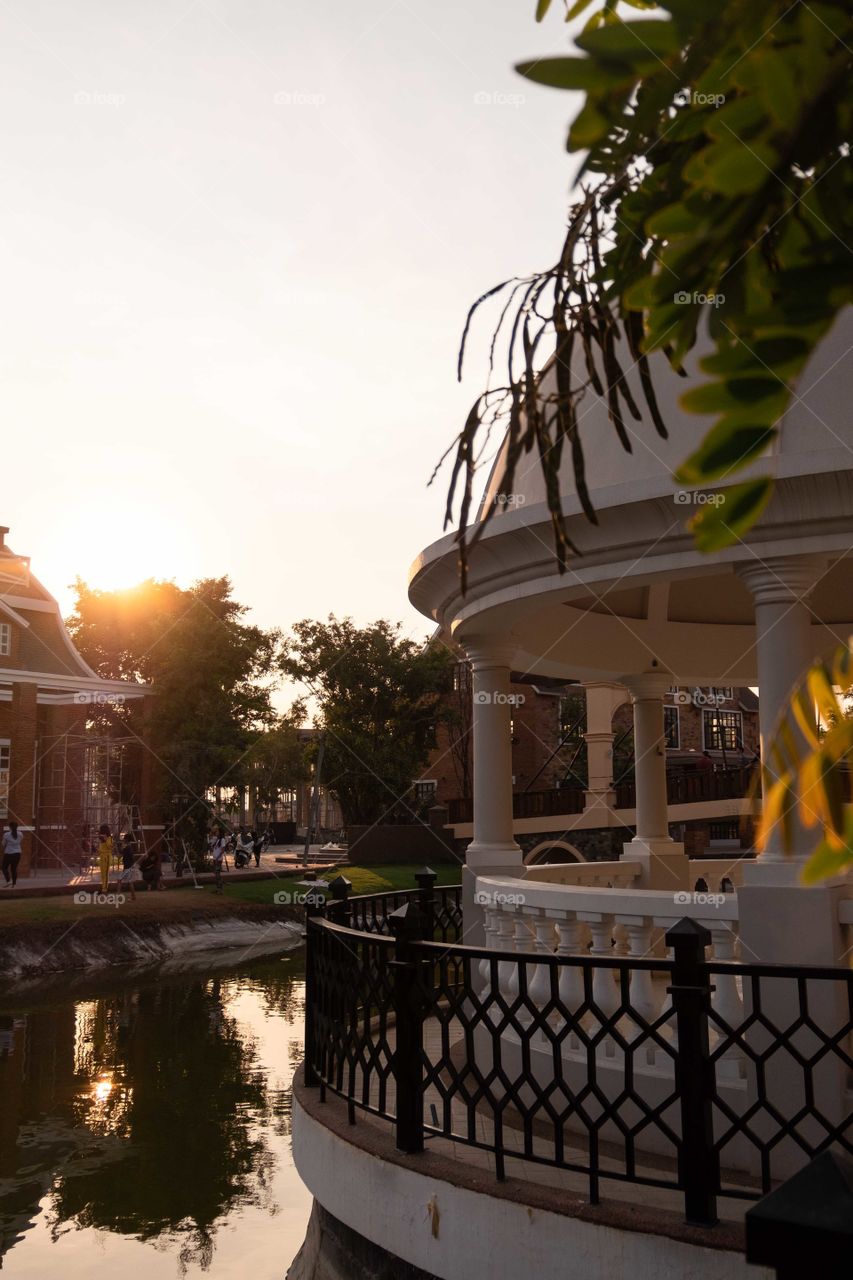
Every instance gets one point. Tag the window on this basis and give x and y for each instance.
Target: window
(723, 691)
(671, 729)
(4, 779)
(723, 730)
(5, 639)
(425, 789)
(462, 677)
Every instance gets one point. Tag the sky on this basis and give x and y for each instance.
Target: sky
(239, 241)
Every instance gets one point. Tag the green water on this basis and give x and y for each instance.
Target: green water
(145, 1126)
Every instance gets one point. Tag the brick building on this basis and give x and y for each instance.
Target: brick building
(548, 724)
(57, 778)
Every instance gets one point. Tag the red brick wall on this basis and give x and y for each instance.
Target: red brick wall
(23, 732)
(536, 733)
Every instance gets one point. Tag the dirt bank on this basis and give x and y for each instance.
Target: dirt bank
(144, 934)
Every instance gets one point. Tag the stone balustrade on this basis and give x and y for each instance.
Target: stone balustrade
(524, 916)
(603, 875)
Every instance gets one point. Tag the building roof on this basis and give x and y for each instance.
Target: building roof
(44, 648)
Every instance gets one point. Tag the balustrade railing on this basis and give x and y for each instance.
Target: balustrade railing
(684, 787)
(615, 1035)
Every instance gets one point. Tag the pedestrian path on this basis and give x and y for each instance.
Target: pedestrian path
(278, 860)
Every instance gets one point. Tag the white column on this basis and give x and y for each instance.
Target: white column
(784, 651)
(493, 845)
(782, 921)
(493, 849)
(602, 698)
(665, 866)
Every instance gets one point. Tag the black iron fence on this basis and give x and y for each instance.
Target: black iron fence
(560, 1059)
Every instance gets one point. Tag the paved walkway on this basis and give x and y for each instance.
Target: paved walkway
(276, 861)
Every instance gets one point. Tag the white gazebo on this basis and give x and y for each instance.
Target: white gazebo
(642, 607)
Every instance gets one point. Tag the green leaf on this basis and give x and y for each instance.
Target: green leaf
(543, 6)
(726, 447)
(643, 293)
(588, 127)
(779, 89)
(734, 168)
(577, 7)
(571, 73)
(827, 861)
(675, 219)
(632, 42)
(738, 393)
(724, 523)
(774, 353)
(738, 117)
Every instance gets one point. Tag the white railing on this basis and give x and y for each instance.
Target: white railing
(721, 875)
(529, 915)
(602, 875)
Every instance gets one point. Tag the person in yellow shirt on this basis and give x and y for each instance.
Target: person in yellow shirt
(105, 855)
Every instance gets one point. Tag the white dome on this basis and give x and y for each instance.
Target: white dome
(639, 586)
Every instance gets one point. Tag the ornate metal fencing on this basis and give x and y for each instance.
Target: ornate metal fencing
(566, 1060)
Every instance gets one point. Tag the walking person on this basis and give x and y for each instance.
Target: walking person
(259, 842)
(129, 857)
(218, 849)
(105, 855)
(12, 847)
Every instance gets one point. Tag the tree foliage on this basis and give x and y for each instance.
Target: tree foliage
(715, 194)
(379, 697)
(808, 769)
(210, 671)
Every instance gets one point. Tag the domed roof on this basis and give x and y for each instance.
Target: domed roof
(817, 424)
(639, 584)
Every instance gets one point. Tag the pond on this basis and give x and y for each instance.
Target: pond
(145, 1126)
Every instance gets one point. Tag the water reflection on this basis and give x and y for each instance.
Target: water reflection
(158, 1113)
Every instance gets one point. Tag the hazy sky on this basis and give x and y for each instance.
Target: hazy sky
(239, 241)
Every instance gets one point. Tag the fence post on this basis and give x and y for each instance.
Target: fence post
(698, 1164)
(315, 904)
(339, 908)
(807, 1222)
(406, 925)
(425, 880)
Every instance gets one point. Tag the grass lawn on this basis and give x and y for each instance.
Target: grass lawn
(364, 880)
(39, 911)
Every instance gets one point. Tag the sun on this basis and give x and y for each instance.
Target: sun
(122, 543)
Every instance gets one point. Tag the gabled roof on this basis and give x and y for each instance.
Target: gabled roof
(44, 646)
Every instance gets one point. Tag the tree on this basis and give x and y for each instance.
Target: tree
(276, 761)
(379, 697)
(716, 193)
(211, 671)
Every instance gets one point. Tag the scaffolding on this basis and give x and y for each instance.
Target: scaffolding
(82, 781)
